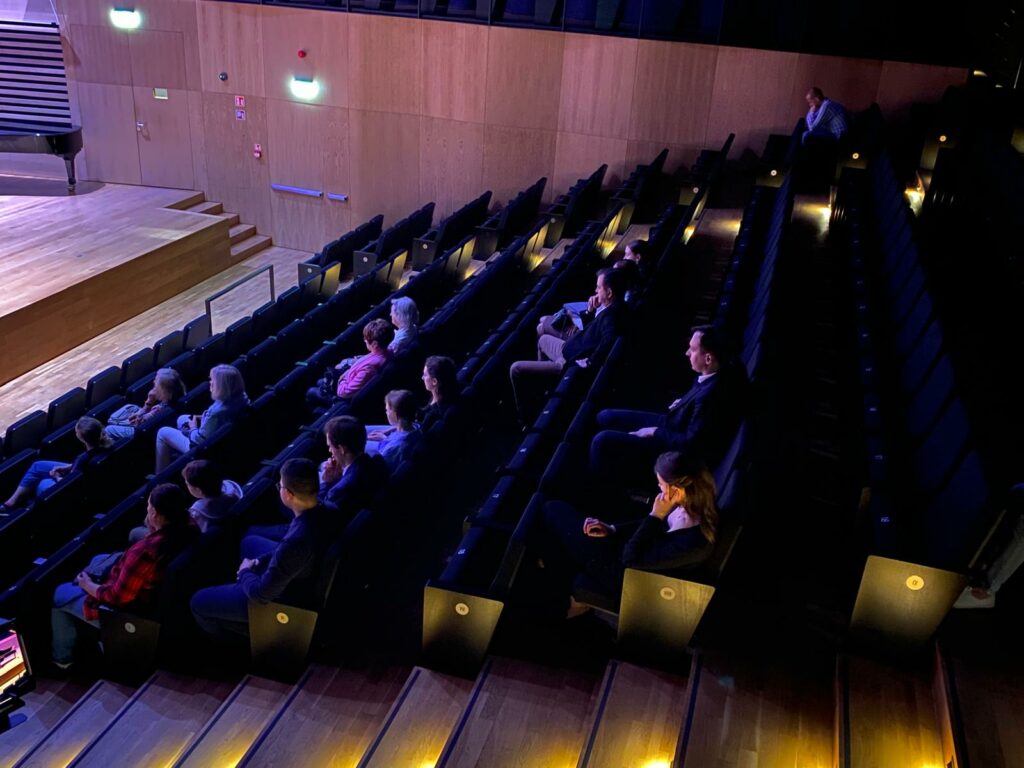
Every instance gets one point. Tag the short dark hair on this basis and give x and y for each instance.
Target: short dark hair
(713, 341)
(639, 247)
(380, 331)
(616, 281)
(629, 269)
(443, 369)
(346, 432)
(170, 503)
(300, 477)
(204, 475)
(817, 92)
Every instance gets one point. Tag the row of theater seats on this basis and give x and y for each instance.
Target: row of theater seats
(930, 500)
(550, 461)
(271, 416)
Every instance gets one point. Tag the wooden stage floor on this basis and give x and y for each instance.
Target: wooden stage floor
(90, 279)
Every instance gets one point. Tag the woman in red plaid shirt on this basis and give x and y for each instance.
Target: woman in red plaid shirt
(134, 578)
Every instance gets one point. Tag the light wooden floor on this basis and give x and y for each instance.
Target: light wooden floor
(44, 707)
(992, 706)
(38, 387)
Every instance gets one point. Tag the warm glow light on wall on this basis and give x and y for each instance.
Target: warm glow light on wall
(125, 18)
(658, 763)
(304, 89)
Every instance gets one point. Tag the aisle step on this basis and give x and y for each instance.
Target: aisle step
(44, 707)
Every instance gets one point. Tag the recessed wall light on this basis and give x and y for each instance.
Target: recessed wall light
(125, 18)
(302, 88)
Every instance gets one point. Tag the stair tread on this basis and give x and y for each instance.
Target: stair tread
(332, 718)
(236, 724)
(535, 712)
(207, 206)
(240, 232)
(44, 707)
(195, 198)
(78, 726)
(642, 715)
(156, 723)
(420, 720)
(250, 245)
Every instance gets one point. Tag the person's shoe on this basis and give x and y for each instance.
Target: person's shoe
(973, 597)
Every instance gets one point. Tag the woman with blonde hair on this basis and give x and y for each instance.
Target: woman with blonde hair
(168, 390)
(227, 390)
(678, 533)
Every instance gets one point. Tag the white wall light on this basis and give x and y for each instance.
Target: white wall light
(304, 89)
(125, 18)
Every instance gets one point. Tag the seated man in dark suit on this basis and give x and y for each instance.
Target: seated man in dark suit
(351, 477)
(284, 570)
(702, 422)
(529, 377)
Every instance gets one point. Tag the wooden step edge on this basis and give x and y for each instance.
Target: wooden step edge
(208, 726)
(841, 750)
(114, 720)
(692, 689)
(948, 713)
(208, 207)
(453, 738)
(250, 246)
(187, 202)
(84, 699)
(254, 748)
(240, 232)
(389, 719)
(598, 714)
(233, 219)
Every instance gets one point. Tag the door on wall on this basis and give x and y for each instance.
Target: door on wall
(162, 132)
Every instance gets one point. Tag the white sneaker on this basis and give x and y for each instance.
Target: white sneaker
(975, 598)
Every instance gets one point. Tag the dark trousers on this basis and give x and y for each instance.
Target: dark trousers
(567, 552)
(619, 459)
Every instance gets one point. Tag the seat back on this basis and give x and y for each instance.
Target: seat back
(25, 433)
(135, 367)
(66, 408)
(102, 386)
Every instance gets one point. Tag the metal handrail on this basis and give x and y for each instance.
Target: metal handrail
(240, 281)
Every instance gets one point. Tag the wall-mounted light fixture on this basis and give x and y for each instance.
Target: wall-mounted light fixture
(125, 18)
(304, 88)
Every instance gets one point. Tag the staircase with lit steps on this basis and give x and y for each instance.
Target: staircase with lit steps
(44, 708)
(245, 241)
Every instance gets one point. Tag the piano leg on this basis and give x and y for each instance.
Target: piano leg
(69, 162)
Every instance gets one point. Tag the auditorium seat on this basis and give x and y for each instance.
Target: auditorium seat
(136, 366)
(65, 409)
(195, 332)
(25, 433)
(102, 386)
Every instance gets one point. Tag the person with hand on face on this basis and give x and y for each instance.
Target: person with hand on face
(168, 390)
(826, 119)
(702, 422)
(350, 477)
(283, 569)
(130, 579)
(678, 533)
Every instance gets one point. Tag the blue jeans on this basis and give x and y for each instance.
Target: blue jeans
(223, 612)
(619, 458)
(67, 618)
(38, 476)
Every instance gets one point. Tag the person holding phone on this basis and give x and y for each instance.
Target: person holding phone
(678, 533)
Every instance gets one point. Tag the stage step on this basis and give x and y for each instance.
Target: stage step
(78, 727)
(44, 707)
(236, 724)
(207, 206)
(420, 721)
(536, 713)
(156, 723)
(638, 719)
(890, 715)
(249, 246)
(240, 232)
(770, 711)
(187, 202)
(330, 717)
(233, 219)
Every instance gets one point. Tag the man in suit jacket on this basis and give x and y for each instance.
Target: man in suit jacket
(530, 377)
(702, 422)
(351, 477)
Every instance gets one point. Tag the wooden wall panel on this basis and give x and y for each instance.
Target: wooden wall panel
(165, 149)
(337, 171)
(384, 159)
(298, 221)
(292, 130)
(687, 73)
(577, 155)
(902, 84)
(99, 54)
(454, 70)
(176, 16)
(524, 77)
(679, 155)
(598, 75)
(514, 158)
(197, 133)
(852, 82)
(158, 59)
(385, 64)
(323, 36)
(236, 178)
(231, 40)
(752, 98)
(451, 163)
(108, 132)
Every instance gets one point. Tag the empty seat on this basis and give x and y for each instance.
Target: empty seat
(238, 337)
(66, 408)
(136, 366)
(168, 348)
(102, 386)
(196, 332)
(24, 434)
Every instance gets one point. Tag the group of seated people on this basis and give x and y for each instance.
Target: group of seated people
(278, 562)
(681, 443)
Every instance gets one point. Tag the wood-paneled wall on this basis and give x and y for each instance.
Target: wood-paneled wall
(410, 111)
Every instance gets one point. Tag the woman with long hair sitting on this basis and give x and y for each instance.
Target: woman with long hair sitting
(168, 390)
(439, 379)
(42, 474)
(678, 533)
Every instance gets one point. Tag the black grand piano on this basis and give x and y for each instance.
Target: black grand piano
(63, 142)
